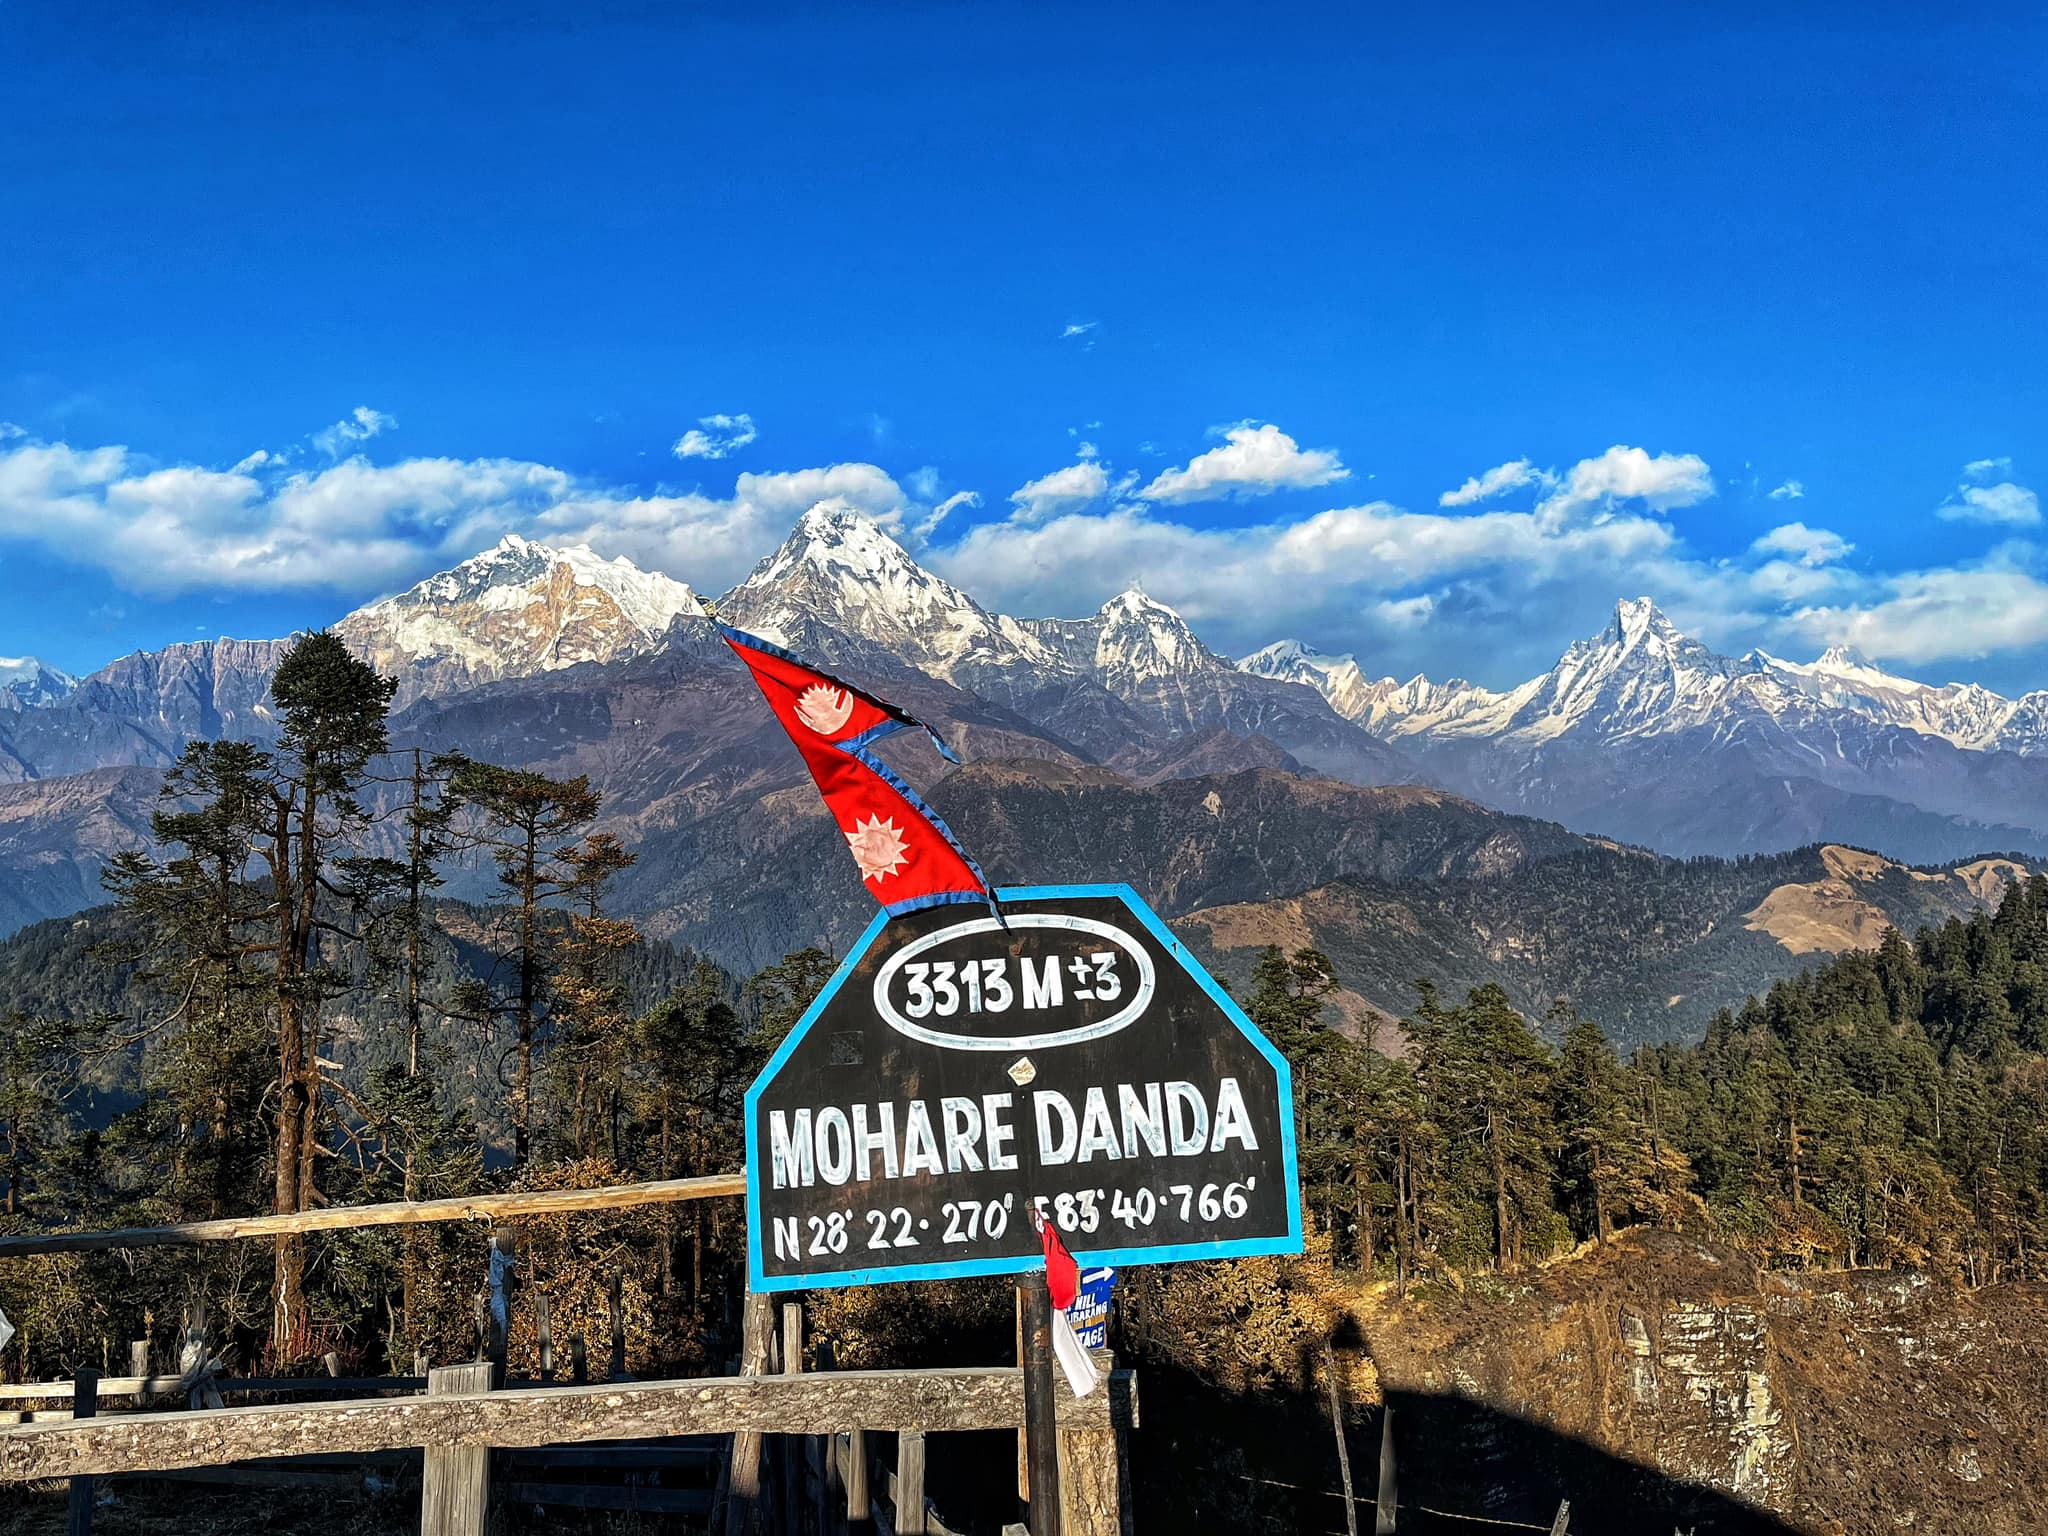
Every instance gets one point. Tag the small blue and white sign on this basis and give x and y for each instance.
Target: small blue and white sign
(1090, 1312)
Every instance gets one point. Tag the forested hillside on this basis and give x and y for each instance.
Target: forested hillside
(1890, 1107)
(1652, 947)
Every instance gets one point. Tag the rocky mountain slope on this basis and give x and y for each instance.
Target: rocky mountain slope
(516, 610)
(141, 710)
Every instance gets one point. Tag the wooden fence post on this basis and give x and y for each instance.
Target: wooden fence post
(860, 1519)
(455, 1485)
(1041, 1440)
(791, 1448)
(909, 1493)
(85, 1403)
(196, 1363)
(504, 1257)
(743, 1482)
(543, 1325)
(1343, 1447)
(1094, 1480)
(1387, 1503)
(138, 1365)
(579, 1360)
(618, 1329)
(1564, 1518)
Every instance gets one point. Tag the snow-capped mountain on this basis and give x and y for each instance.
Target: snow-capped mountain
(1644, 733)
(1370, 702)
(839, 577)
(26, 682)
(1642, 676)
(1130, 676)
(516, 609)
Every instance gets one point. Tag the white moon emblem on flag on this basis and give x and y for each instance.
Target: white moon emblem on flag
(878, 848)
(824, 710)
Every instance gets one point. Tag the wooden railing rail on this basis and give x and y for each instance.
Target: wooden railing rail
(398, 1213)
(818, 1404)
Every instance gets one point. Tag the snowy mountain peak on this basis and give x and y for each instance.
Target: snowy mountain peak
(1638, 619)
(517, 609)
(26, 682)
(839, 574)
(846, 557)
(1139, 638)
(1292, 661)
(1280, 656)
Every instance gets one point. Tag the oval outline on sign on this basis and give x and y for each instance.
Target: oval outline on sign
(1141, 994)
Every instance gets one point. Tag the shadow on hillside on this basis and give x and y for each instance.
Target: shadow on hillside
(1224, 1465)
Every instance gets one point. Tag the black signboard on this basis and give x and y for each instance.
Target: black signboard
(954, 1073)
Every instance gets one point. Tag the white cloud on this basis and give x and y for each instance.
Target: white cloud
(1078, 328)
(359, 426)
(715, 436)
(1791, 490)
(1661, 483)
(1343, 573)
(1987, 469)
(256, 460)
(711, 542)
(1405, 612)
(357, 528)
(929, 523)
(1497, 481)
(1938, 615)
(1253, 461)
(9, 432)
(1064, 490)
(2000, 503)
(1809, 546)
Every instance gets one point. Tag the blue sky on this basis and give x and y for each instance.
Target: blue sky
(1258, 288)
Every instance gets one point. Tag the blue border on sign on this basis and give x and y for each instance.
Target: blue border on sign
(1239, 1248)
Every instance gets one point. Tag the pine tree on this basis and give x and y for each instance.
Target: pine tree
(519, 815)
(289, 816)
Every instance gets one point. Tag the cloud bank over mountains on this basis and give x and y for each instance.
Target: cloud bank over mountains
(1492, 578)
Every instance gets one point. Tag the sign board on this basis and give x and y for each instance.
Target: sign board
(952, 1075)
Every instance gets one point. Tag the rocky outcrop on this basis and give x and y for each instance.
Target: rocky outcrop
(1873, 1401)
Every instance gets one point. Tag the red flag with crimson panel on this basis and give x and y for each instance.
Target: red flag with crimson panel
(908, 858)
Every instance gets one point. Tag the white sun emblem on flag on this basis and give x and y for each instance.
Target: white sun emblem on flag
(878, 848)
(824, 709)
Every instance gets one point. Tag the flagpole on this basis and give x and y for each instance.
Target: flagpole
(1041, 1444)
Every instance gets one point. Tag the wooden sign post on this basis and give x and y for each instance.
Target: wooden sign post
(960, 1072)
(1041, 1442)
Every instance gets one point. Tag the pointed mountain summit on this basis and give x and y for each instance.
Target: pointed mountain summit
(1138, 638)
(26, 682)
(840, 585)
(517, 609)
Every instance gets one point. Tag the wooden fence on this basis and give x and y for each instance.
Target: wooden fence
(798, 1456)
(459, 1420)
